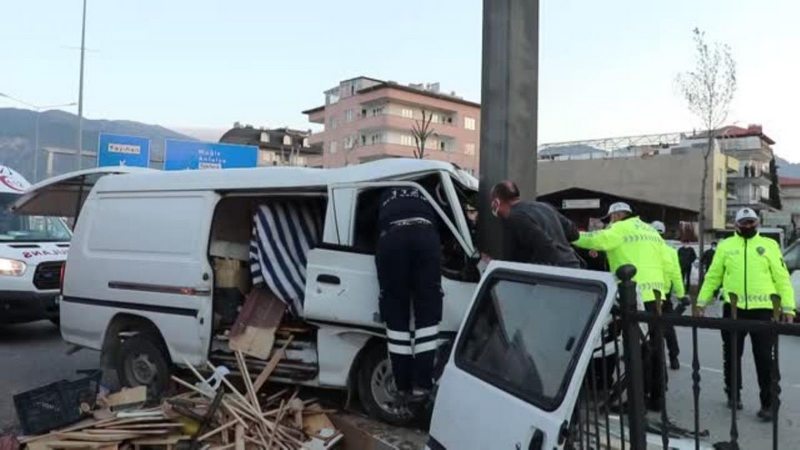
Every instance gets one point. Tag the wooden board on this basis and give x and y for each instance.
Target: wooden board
(127, 397)
(314, 423)
(253, 333)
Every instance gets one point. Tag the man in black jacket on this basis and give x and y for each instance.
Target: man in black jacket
(686, 256)
(534, 231)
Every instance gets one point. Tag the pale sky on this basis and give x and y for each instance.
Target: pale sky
(607, 68)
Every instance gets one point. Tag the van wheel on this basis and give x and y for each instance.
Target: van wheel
(376, 389)
(142, 362)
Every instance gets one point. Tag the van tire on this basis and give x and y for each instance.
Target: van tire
(142, 362)
(374, 366)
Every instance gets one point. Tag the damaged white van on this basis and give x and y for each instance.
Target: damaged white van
(144, 284)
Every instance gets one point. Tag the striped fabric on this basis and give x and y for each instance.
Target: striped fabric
(283, 233)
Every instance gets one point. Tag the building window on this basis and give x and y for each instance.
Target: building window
(407, 140)
(469, 149)
(348, 115)
(287, 140)
(305, 143)
(332, 147)
(377, 111)
(407, 113)
(469, 123)
(363, 140)
(349, 142)
(264, 136)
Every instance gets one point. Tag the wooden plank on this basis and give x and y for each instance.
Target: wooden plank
(273, 363)
(313, 424)
(75, 444)
(86, 436)
(239, 441)
(127, 397)
(253, 333)
(169, 440)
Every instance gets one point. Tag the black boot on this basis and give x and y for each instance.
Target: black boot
(674, 363)
(739, 404)
(765, 414)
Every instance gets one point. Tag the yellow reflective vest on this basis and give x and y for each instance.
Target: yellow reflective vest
(672, 272)
(631, 241)
(753, 269)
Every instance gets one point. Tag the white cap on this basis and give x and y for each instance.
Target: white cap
(619, 207)
(746, 214)
(659, 226)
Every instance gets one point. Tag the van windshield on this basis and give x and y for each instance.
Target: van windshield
(14, 228)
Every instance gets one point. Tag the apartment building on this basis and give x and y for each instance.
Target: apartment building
(365, 119)
(277, 146)
(749, 185)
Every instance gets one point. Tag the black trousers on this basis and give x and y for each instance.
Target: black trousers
(654, 363)
(763, 344)
(409, 269)
(669, 332)
(686, 272)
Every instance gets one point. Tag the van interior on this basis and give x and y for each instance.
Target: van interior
(232, 229)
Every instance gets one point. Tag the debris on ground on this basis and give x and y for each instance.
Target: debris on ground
(210, 413)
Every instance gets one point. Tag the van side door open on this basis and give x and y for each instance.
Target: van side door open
(513, 378)
(342, 278)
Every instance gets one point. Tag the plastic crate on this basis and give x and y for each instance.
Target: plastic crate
(55, 405)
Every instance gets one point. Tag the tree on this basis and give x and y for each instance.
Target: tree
(774, 187)
(421, 130)
(708, 90)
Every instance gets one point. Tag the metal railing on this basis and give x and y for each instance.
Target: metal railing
(640, 370)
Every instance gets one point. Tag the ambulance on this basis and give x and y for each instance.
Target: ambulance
(32, 253)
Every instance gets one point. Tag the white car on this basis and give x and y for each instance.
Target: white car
(32, 253)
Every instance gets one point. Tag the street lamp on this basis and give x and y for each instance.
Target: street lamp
(38, 109)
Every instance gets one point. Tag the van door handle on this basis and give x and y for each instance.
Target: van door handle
(328, 279)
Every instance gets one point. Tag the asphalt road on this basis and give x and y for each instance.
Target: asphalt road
(32, 355)
(714, 414)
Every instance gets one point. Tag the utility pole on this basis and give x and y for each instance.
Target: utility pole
(80, 90)
(509, 98)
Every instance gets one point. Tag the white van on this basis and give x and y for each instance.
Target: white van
(140, 283)
(32, 252)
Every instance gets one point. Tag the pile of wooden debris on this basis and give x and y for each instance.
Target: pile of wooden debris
(211, 414)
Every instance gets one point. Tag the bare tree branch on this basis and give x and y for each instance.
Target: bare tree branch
(421, 130)
(708, 90)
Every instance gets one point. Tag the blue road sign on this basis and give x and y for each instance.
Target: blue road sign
(116, 150)
(182, 155)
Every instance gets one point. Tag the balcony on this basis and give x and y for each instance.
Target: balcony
(761, 179)
(397, 122)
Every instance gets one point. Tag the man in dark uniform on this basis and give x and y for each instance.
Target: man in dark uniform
(408, 261)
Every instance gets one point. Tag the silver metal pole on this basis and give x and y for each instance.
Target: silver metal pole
(36, 149)
(80, 90)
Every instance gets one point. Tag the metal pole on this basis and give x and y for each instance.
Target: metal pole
(633, 357)
(36, 148)
(509, 95)
(80, 90)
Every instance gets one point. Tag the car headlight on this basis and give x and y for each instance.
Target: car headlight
(12, 267)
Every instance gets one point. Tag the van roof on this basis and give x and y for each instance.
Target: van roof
(277, 177)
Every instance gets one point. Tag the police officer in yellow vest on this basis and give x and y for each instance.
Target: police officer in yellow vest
(752, 267)
(629, 240)
(674, 287)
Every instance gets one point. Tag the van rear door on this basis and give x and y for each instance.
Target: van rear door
(513, 378)
(63, 195)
